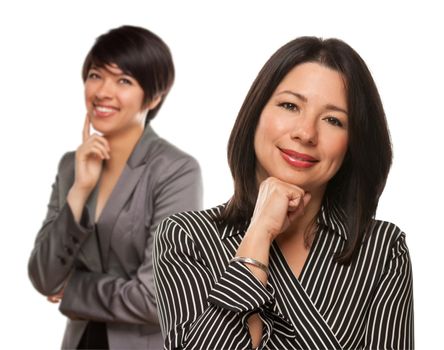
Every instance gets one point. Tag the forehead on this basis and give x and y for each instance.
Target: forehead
(314, 80)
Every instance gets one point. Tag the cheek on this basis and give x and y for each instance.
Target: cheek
(271, 127)
(338, 149)
(87, 93)
(132, 100)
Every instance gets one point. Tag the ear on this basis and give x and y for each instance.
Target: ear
(153, 103)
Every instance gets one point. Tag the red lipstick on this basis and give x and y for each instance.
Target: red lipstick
(298, 160)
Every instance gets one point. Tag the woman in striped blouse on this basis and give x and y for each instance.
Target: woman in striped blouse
(295, 259)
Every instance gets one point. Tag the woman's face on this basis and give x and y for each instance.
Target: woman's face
(302, 133)
(114, 100)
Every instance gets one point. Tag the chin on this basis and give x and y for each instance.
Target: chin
(103, 129)
(305, 184)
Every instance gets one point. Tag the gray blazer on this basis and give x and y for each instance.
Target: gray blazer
(108, 265)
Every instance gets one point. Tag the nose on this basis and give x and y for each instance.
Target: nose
(105, 89)
(305, 130)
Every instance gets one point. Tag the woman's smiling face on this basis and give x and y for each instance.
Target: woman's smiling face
(114, 100)
(302, 135)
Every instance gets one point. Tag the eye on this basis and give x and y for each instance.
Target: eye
(334, 121)
(125, 81)
(289, 106)
(93, 76)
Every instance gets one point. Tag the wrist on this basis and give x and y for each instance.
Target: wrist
(258, 233)
(256, 267)
(80, 191)
(76, 199)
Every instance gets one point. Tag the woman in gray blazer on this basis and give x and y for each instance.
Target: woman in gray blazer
(93, 251)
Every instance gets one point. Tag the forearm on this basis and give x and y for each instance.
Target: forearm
(102, 297)
(76, 199)
(256, 245)
(210, 330)
(188, 320)
(56, 247)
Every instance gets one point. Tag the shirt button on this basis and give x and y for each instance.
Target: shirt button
(69, 250)
(75, 240)
(62, 261)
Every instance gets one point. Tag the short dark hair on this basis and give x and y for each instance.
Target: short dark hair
(139, 53)
(358, 184)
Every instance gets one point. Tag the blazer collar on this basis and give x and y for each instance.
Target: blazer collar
(143, 148)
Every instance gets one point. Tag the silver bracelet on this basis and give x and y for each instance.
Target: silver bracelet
(251, 261)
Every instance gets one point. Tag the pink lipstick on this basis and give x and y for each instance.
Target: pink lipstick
(298, 160)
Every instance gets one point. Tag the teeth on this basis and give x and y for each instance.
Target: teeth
(299, 159)
(104, 109)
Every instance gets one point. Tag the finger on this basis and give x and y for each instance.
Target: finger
(294, 204)
(102, 140)
(93, 145)
(295, 199)
(98, 151)
(103, 150)
(86, 128)
(92, 151)
(96, 138)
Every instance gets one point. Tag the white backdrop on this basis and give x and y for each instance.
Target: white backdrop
(218, 48)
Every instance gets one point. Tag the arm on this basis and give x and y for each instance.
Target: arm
(68, 224)
(108, 298)
(58, 241)
(390, 321)
(277, 205)
(195, 311)
(198, 308)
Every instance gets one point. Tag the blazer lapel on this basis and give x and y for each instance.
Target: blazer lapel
(123, 190)
(90, 252)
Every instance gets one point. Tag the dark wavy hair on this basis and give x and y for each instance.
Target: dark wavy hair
(359, 182)
(138, 53)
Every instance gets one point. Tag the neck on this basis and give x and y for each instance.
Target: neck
(121, 145)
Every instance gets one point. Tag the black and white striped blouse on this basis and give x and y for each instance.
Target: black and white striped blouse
(204, 301)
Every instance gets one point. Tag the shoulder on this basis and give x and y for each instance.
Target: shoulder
(386, 229)
(170, 153)
(67, 159)
(168, 164)
(196, 225)
(66, 165)
(65, 176)
(390, 239)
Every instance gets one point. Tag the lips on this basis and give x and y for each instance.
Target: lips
(298, 160)
(103, 111)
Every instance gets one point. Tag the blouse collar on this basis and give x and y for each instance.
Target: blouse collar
(333, 217)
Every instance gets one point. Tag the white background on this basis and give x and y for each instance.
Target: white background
(218, 47)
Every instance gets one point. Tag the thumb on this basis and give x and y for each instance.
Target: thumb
(299, 210)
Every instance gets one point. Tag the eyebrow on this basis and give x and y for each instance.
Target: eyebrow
(328, 106)
(95, 67)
